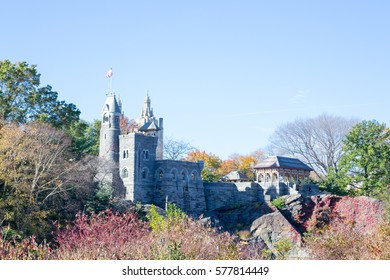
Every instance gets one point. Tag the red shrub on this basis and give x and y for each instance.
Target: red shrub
(27, 249)
(103, 236)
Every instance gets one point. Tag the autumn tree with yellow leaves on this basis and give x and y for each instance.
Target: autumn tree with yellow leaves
(215, 168)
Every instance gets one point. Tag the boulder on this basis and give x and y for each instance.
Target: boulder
(298, 210)
(274, 227)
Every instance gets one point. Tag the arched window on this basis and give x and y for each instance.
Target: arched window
(174, 176)
(105, 118)
(183, 176)
(125, 173)
(160, 174)
(194, 176)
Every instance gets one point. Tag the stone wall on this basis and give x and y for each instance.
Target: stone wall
(179, 182)
(231, 195)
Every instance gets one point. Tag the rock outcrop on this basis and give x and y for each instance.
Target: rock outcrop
(274, 227)
(307, 213)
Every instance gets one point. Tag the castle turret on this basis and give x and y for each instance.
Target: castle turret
(149, 125)
(109, 145)
(110, 130)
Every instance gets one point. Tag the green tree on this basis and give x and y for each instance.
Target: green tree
(23, 100)
(365, 163)
(85, 137)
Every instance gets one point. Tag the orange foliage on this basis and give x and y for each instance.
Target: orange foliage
(126, 125)
(219, 168)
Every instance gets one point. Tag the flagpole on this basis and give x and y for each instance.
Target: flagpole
(109, 75)
(111, 84)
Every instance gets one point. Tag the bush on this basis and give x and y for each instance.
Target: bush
(278, 203)
(103, 236)
(26, 249)
(282, 248)
(178, 236)
(345, 242)
(108, 236)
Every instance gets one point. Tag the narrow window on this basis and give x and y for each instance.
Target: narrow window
(125, 173)
(161, 175)
(105, 118)
(144, 174)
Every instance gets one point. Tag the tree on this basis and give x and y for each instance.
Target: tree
(35, 160)
(40, 179)
(365, 163)
(176, 149)
(212, 163)
(126, 125)
(23, 100)
(242, 163)
(317, 141)
(85, 137)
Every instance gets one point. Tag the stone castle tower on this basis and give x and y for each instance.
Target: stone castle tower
(110, 130)
(109, 144)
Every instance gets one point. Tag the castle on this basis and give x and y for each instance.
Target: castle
(138, 172)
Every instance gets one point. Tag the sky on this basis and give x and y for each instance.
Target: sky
(223, 74)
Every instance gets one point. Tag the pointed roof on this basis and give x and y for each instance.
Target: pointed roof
(285, 162)
(147, 111)
(111, 105)
(149, 126)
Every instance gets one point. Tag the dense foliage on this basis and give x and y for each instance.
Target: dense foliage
(364, 167)
(110, 236)
(46, 171)
(23, 100)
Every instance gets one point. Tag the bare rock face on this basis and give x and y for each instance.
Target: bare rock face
(298, 210)
(274, 227)
(240, 217)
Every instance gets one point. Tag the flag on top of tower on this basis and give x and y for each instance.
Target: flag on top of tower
(109, 73)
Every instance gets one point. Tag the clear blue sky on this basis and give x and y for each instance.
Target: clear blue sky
(223, 74)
